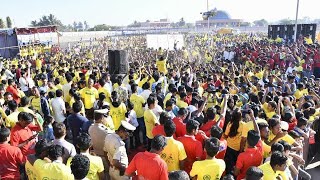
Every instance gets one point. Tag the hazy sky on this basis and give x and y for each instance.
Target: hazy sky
(124, 12)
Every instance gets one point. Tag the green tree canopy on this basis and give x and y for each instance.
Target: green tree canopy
(2, 25)
(9, 22)
(261, 22)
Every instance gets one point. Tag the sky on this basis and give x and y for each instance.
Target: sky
(124, 12)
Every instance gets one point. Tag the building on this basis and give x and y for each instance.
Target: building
(156, 24)
(220, 19)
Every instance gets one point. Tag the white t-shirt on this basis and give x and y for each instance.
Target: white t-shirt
(133, 118)
(23, 84)
(58, 109)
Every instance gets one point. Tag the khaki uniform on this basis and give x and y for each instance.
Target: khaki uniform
(115, 148)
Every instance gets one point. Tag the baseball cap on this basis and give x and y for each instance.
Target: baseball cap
(128, 126)
(284, 125)
(101, 111)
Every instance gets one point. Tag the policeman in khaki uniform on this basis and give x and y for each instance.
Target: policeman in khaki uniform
(98, 131)
(115, 151)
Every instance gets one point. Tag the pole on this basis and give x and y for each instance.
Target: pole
(209, 15)
(296, 23)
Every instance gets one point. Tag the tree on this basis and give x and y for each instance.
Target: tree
(286, 21)
(34, 23)
(245, 24)
(9, 22)
(261, 23)
(86, 25)
(80, 26)
(75, 26)
(48, 21)
(102, 27)
(69, 27)
(2, 25)
(182, 22)
(135, 24)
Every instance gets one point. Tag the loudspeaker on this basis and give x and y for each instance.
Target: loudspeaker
(118, 62)
(287, 31)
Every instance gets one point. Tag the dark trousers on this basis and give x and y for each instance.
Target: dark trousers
(135, 139)
(89, 114)
(142, 129)
(316, 72)
(231, 159)
(149, 144)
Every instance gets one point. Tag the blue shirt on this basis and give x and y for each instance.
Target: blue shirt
(48, 133)
(78, 124)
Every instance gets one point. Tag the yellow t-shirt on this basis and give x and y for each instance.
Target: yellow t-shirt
(30, 171)
(118, 114)
(265, 107)
(138, 102)
(270, 114)
(106, 92)
(173, 153)
(208, 169)
(89, 96)
(162, 66)
(234, 142)
(12, 119)
(298, 94)
(25, 109)
(35, 103)
(286, 138)
(54, 89)
(54, 170)
(249, 126)
(96, 166)
(59, 86)
(182, 104)
(259, 74)
(144, 80)
(108, 122)
(268, 172)
(266, 149)
(2, 113)
(38, 64)
(150, 120)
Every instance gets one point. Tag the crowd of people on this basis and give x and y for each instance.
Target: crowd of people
(222, 107)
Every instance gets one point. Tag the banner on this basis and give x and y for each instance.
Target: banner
(165, 41)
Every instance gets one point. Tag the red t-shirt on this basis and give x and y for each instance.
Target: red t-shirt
(316, 60)
(180, 127)
(222, 149)
(148, 166)
(188, 99)
(97, 86)
(20, 135)
(292, 124)
(14, 92)
(10, 159)
(208, 125)
(201, 136)
(250, 157)
(193, 150)
(158, 130)
(218, 83)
